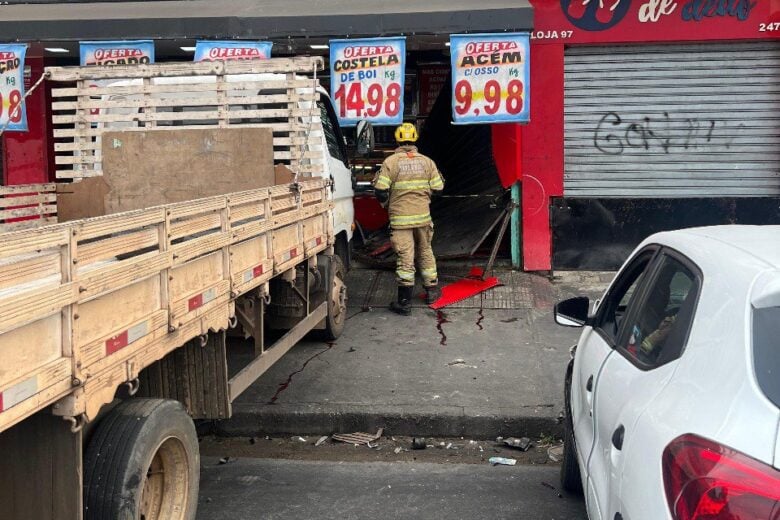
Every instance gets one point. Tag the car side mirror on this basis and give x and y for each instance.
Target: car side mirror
(572, 312)
(365, 137)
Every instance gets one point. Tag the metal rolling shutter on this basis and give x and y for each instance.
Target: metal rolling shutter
(672, 120)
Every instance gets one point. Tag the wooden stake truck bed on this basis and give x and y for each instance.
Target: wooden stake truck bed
(89, 306)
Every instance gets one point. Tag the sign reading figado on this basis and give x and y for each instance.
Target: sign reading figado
(490, 75)
(117, 52)
(231, 50)
(12, 88)
(367, 80)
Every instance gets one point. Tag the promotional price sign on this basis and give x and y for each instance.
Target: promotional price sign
(367, 80)
(117, 53)
(490, 78)
(232, 50)
(12, 88)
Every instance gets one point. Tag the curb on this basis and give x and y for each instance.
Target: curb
(252, 420)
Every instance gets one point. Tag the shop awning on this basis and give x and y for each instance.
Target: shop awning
(161, 19)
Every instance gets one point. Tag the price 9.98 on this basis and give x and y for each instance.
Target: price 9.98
(14, 99)
(378, 100)
(495, 98)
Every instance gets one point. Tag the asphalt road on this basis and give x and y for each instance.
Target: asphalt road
(251, 489)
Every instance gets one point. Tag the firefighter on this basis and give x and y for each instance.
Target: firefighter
(404, 185)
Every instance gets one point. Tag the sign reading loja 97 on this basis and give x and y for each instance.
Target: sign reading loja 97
(367, 80)
(490, 78)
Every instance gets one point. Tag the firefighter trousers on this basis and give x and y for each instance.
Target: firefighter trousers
(410, 242)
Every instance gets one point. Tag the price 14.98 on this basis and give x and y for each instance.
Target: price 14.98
(378, 100)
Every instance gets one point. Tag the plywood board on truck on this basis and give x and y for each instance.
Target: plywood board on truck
(144, 168)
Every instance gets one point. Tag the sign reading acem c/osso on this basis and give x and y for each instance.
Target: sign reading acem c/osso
(367, 80)
(490, 75)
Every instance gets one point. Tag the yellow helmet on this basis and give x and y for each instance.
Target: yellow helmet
(406, 133)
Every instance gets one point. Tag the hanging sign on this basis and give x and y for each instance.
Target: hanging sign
(231, 50)
(367, 80)
(117, 52)
(490, 75)
(12, 110)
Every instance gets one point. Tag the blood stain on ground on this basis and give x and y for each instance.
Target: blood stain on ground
(283, 385)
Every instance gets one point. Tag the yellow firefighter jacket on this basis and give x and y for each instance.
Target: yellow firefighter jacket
(411, 178)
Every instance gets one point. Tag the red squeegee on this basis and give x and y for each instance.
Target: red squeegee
(470, 286)
(476, 282)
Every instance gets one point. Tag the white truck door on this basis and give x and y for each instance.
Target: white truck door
(338, 168)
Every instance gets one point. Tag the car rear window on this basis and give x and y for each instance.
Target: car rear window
(766, 351)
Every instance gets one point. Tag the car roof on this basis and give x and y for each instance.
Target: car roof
(733, 244)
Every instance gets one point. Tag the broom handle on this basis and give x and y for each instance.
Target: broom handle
(497, 243)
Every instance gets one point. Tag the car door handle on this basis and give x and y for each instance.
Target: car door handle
(589, 384)
(617, 437)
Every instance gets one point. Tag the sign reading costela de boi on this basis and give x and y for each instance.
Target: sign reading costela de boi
(12, 110)
(138, 52)
(231, 50)
(367, 80)
(490, 78)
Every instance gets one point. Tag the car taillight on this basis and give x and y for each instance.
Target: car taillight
(707, 481)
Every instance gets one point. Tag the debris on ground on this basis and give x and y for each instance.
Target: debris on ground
(299, 439)
(522, 444)
(358, 437)
(398, 450)
(321, 440)
(418, 443)
(227, 460)
(458, 361)
(555, 453)
(550, 486)
(495, 461)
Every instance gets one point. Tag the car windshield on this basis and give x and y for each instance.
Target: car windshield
(766, 351)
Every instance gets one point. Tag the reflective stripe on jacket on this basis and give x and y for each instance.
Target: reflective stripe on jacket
(411, 178)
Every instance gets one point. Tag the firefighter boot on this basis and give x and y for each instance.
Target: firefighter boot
(432, 294)
(404, 304)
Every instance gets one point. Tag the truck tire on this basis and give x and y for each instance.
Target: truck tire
(336, 294)
(570, 470)
(142, 463)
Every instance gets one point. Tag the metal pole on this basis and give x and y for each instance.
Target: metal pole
(515, 229)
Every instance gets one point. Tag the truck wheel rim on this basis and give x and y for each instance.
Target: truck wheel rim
(165, 486)
(339, 299)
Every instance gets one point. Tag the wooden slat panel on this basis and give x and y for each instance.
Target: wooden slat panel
(33, 304)
(21, 242)
(163, 88)
(193, 225)
(29, 269)
(180, 116)
(111, 247)
(41, 198)
(122, 273)
(102, 226)
(159, 70)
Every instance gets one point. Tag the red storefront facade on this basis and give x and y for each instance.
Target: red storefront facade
(563, 24)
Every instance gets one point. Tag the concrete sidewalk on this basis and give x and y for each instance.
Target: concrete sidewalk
(492, 365)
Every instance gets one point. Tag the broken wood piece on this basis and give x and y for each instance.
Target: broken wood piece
(358, 437)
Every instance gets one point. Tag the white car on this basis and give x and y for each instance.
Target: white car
(673, 394)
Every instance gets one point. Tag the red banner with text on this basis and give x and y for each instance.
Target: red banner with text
(628, 21)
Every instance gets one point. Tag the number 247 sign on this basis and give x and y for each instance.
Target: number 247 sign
(490, 75)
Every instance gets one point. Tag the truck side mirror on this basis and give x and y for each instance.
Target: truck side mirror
(365, 137)
(572, 312)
